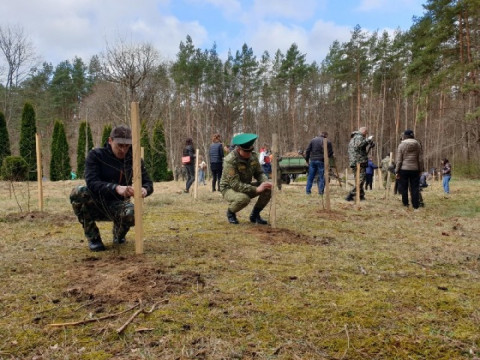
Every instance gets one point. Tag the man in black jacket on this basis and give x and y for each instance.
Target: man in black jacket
(106, 197)
(315, 161)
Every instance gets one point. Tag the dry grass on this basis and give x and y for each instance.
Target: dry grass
(368, 282)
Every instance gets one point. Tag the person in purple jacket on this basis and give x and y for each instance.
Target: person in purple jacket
(369, 173)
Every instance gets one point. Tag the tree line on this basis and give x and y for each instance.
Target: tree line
(425, 79)
(24, 167)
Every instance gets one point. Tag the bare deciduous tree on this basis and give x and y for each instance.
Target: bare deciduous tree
(129, 65)
(19, 55)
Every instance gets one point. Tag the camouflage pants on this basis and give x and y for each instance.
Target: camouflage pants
(385, 174)
(363, 177)
(237, 200)
(89, 210)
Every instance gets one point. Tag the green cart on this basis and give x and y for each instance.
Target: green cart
(289, 168)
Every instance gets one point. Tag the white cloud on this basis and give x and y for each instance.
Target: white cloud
(389, 6)
(62, 29)
(323, 35)
(314, 43)
(368, 5)
(228, 7)
(274, 36)
(287, 9)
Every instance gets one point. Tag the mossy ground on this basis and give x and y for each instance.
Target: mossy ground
(373, 281)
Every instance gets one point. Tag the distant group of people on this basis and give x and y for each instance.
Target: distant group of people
(407, 171)
(109, 173)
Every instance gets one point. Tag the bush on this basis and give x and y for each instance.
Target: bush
(84, 135)
(14, 168)
(470, 170)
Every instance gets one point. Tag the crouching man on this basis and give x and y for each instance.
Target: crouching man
(239, 168)
(106, 197)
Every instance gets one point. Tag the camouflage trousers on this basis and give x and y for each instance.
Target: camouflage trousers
(385, 175)
(237, 200)
(88, 210)
(363, 177)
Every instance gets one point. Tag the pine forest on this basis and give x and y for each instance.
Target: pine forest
(425, 79)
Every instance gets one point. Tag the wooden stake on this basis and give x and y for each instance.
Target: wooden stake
(357, 185)
(195, 186)
(137, 178)
(338, 176)
(273, 208)
(326, 174)
(387, 186)
(39, 171)
(380, 177)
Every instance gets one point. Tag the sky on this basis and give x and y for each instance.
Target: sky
(62, 29)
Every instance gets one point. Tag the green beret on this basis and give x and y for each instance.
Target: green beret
(245, 140)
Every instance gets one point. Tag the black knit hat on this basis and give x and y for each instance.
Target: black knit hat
(408, 133)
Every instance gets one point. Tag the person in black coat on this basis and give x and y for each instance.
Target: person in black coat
(315, 161)
(189, 151)
(216, 161)
(106, 196)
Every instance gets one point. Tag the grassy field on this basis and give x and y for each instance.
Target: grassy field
(373, 281)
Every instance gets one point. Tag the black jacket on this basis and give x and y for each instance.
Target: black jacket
(103, 172)
(315, 149)
(216, 153)
(189, 151)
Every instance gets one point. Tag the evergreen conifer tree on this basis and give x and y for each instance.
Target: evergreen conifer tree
(159, 164)
(147, 148)
(63, 150)
(27, 146)
(84, 133)
(4, 139)
(54, 174)
(106, 134)
(60, 160)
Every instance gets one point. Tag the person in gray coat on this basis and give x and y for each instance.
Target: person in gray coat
(409, 166)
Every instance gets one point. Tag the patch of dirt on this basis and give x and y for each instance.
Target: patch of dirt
(41, 216)
(275, 236)
(121, 279)
(330, 215)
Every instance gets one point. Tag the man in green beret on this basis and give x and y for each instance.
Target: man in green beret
(240, 166)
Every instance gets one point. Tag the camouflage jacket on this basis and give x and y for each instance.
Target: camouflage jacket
(238, 173)
(357, 150)
(385, 163)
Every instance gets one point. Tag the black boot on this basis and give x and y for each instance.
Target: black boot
(255, 217)
(349, 197)
(232, 218)
(119, 241)
(96, 245)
